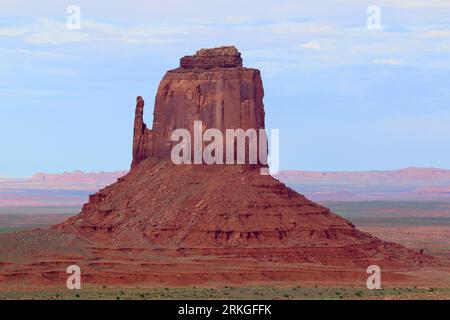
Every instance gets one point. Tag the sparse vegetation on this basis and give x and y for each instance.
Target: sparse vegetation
(260, 293)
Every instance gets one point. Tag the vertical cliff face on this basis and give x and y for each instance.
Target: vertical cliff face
(142, 136)
(210, 86)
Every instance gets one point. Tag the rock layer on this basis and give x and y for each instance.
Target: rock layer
(226, 210)
(223, 57)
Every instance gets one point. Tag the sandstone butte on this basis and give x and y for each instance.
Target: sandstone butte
(211, 225)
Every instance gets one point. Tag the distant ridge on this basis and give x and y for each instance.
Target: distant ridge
(51, 189)
(408, 184)
(431, 184)
(96, 178)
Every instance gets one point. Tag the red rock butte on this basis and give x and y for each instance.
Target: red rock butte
(212, 87)
(217, 208)
(206, 224)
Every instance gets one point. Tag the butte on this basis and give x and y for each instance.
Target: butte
(178, 225)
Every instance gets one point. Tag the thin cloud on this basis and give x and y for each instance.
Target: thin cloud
(15, 51)
(313, 45)
(47, 31)
(56, 37)
(293, 28)
(417, 4)
(13, 32)
(392, 62)
(436, 34)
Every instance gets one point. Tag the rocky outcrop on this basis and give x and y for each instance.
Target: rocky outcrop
(223, 57)
(227, 211)
(142, 136)
(212, 87)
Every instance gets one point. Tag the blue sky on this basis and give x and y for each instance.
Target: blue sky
(344, 97)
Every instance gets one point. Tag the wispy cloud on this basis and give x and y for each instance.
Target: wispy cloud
(436, 34)
(13, 31)
(48, 31)
(56, 37)
(418, 4)
(314, 45)
(296, 28)
(20, 51)
(393, 62)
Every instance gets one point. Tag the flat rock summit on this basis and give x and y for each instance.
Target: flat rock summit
(187, 224)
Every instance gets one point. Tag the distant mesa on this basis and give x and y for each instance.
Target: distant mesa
(409, 184)
(421, 184)
(79, 177)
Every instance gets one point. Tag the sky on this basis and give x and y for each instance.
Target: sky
(344, 96)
